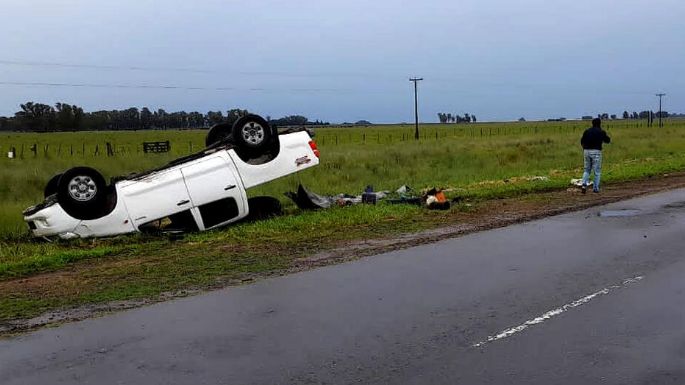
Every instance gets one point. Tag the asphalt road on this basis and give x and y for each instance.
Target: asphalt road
(580, 298)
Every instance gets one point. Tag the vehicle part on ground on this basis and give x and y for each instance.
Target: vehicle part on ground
(308, 200)
(82, 193)
(433, 198)
(51, 186)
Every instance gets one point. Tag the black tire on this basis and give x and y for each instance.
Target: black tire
(51, 187)
(263, 207)
(218, 133)
(253, 135)
(83, 193)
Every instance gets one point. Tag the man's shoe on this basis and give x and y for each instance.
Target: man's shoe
(583, 189)
(595, 191)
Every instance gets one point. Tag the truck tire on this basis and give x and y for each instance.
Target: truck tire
(51, 186)
(253, 135)
(83, 193)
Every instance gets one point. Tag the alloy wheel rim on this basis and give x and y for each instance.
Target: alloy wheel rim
(82, 188)
(253, 133)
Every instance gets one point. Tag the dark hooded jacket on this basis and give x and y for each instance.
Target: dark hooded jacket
(593, 138)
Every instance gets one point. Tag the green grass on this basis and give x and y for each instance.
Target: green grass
(455, 156)
(497, 163)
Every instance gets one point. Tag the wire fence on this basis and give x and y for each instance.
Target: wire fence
(105, 149)
(324, 137)
(447, 131)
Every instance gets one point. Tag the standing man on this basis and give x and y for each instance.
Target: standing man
(592, 141)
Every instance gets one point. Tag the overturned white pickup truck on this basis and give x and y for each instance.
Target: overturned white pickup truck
(198, 192)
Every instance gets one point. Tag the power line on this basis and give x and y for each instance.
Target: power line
(167, 87)
(96, 66)
(374, 76)
(21, 63)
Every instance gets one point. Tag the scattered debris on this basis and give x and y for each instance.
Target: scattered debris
(579, 183)
(435, 200)
(538, 178)
(307, 200)
(515, 179)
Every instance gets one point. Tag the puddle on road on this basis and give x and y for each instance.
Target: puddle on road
(675, 205)
(618, 213)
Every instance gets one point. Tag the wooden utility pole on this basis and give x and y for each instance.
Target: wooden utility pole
(416, 107)
(660, 95)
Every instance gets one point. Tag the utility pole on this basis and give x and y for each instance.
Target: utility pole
(416, 107)
(660, 95)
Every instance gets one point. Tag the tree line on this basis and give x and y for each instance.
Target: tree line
(39, 117)
(456, 118)
(645, 115)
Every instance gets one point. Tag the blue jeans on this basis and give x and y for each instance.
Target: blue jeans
(592, 162)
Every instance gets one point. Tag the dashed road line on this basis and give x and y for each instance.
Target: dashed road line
(553, 313)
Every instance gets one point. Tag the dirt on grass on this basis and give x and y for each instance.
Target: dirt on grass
(470, 218)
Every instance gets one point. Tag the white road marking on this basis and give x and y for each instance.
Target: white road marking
(552, 313)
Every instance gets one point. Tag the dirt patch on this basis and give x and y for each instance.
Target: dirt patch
(482, 216)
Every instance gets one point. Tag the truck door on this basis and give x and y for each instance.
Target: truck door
(215, 191)
(156, 196)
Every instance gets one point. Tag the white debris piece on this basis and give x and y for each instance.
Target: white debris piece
(579, 182)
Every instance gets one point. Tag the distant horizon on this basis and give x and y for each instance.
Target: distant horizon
(312, 119)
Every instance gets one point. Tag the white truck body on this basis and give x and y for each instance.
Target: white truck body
(209, 190)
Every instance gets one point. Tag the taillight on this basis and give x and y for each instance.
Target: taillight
(312, 144)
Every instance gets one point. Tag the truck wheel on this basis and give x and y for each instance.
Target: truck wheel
(219, 133)
(253, 135)
(51, 187)
(82, 193)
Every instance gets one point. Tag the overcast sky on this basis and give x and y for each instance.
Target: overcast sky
(347, 60)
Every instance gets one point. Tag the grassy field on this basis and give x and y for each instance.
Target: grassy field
(477, 161)
(469, 157)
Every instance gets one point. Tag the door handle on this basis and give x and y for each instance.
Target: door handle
(183, 202)
(229, 187)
